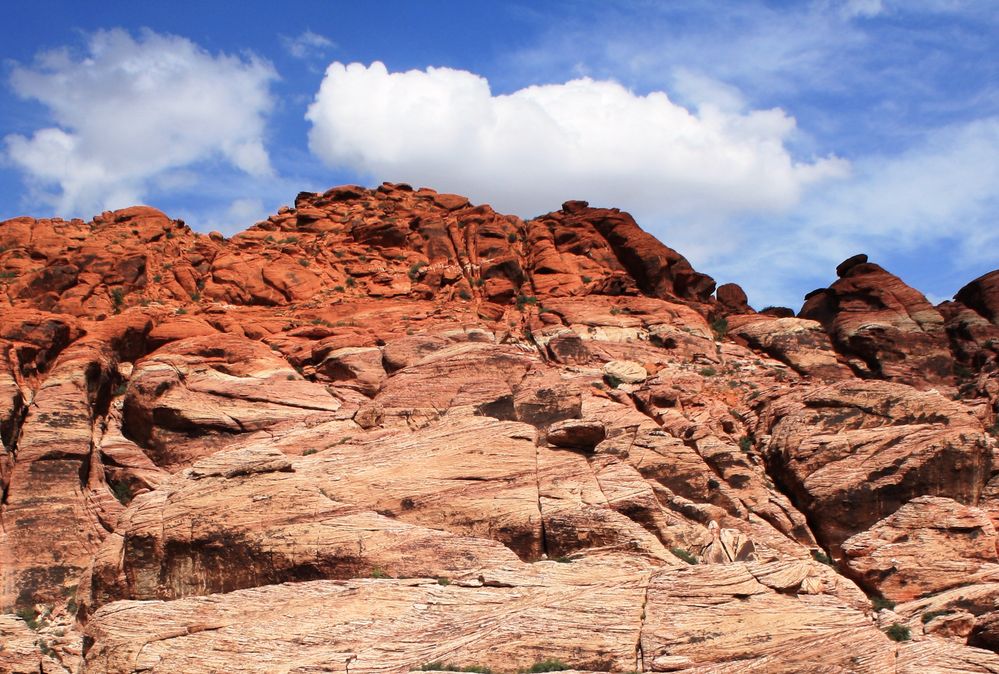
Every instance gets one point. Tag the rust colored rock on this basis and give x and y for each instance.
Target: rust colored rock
(890, 329)
(982, 295)
(846, 265)
(732, 299)
(778, 312)
(337, 441)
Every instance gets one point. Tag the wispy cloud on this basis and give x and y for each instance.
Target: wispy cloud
(131, 115)
(307, 45)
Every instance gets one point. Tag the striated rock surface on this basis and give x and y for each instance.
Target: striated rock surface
(391, 430)
(854, 452)
(928, 545)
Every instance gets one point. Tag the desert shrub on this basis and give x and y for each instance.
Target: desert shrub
(30, 617)
(117, 298)
(708, 372)
(880, 603)
(550, 665)
(746, 443)
(414, 270)
(719, 326)
(684, 555)
(821, 557)
(524, 300)
(930, 615)
(441, 667)
(899, 632)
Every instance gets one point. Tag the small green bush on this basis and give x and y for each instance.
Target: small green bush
(708, 372)
(586, 279)
(443, 581)
(309, 452)
(821, 557)
(880, 603)
(746, 443)
(414, 270)
(464, 294)
(684, 555)
(899, 632)
(118, 299)
(351, 282)
(303, 261)
(719, 326)
(524, 300)
(511, 237)
(550, 665)
(441, 667)
(378, 573)
(122, 492)
(930, 615)
(29, 616)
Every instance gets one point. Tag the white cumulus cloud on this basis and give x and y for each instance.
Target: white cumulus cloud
(129, 112)
(527, 151)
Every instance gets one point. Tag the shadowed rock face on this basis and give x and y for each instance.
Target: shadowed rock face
(388, 428)
(889, 329)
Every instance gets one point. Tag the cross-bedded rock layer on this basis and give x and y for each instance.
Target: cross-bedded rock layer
(388, 429)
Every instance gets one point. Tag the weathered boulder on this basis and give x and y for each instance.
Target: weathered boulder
(853, 452)
(928, 545)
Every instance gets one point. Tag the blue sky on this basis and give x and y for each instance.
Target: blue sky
(766, 141)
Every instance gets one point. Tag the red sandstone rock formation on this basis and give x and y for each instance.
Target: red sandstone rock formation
(389, 429)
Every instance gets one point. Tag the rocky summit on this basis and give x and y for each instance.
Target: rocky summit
(388, 430)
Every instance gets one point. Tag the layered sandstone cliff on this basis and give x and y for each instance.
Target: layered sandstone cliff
(387, 430)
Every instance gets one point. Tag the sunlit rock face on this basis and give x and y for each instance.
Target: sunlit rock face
(388, 429)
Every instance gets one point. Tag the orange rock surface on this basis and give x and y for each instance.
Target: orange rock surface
(389, 430)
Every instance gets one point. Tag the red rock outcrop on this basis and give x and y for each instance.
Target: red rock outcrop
(886, 329)
(388, 429)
